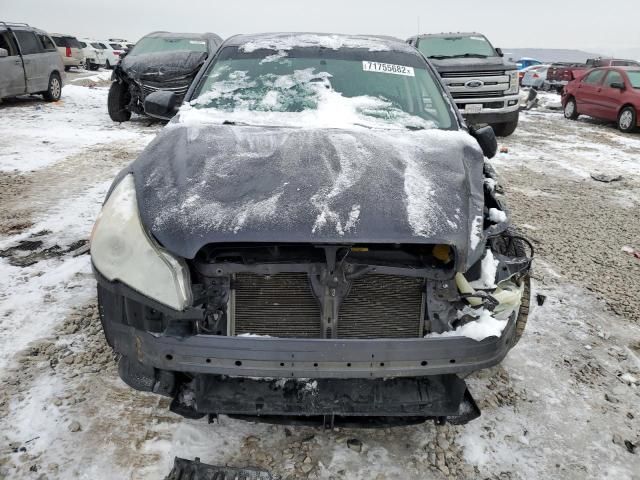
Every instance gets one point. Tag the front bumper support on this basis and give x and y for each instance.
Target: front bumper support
(310, 358)
(439, 396)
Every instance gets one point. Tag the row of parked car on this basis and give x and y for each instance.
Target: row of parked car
(556, 76)
(34, 61)
(89, 54)
(484, 86)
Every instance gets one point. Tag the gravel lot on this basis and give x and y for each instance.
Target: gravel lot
(564, 404)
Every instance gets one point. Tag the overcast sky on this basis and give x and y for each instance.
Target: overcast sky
(593, 25)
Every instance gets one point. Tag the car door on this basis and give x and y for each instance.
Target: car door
(587, 92)
(35, 61)
(610, 98)
(12, 81)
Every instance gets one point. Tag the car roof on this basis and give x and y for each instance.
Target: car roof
(451, 34)
(619, 67)
(63, 35)
(165, 34)
(272, 41)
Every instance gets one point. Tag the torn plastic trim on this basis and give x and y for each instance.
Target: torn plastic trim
(440, 397)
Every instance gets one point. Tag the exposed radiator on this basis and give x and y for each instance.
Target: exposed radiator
(282, 305)
(382, 306)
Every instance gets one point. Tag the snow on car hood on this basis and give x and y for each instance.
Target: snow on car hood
(465, 64)
(205, 184)
(162, 66)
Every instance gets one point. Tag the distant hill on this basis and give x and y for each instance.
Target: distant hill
(548, 55)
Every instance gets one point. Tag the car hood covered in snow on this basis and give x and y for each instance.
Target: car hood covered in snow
(198, 185)
(162, 66)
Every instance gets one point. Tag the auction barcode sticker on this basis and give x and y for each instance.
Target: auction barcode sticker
(387, 68)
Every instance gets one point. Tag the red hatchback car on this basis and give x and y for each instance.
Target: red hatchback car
(608, 93)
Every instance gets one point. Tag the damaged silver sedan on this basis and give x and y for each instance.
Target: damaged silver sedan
(315, 235)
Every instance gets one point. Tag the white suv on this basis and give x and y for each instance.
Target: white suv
(95, 55)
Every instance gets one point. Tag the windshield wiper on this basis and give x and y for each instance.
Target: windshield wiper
(414, 127)
(232, 122)
(440, 57)
(469, 55)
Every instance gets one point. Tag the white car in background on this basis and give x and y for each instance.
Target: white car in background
(95, 55)
(113, 51)
(535, 76)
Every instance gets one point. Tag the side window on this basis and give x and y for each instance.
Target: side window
(28, 42)
(8, 43)
(613, 77)
(46, 43)
(59, 41)
(593, 78)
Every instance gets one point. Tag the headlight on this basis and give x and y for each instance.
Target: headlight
(514, 86)
(122, 250)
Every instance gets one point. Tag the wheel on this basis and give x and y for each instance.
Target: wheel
(505, 129)
(627, 119)
(67, 68)
(509, 244)
(571, 109)
(117, 102)
(107, 64)
(54, 89)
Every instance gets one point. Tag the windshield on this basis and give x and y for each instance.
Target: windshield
(324, 87)
(456, 46)
(66, 42)
(163, 44)
(116, 46)
(634, 78)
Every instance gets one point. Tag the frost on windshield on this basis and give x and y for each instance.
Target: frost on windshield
(304, 97)
(335, 42)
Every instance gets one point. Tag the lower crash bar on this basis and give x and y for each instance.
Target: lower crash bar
(361, 402)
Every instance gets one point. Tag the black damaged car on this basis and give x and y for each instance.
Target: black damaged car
(160, 61)
(315, 234)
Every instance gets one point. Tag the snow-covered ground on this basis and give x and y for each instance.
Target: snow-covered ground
(564, 403)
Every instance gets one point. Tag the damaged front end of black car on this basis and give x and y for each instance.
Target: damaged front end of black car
(159, 62)
(289, 271)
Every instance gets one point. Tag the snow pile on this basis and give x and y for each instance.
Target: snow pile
(63, 128)
(486, 325)
(497, 216)
(488, 270)
(285, 42)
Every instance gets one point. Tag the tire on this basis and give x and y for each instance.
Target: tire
(54, 88)
(505, 129)
(627, 119)
(571, 109)
(117, 102)
(516, 247)
(107, 64)
(67, 68)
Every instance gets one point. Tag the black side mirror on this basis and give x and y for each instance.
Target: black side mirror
(486, 138)
(499, 52)
(618, 85)
(163, 105)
